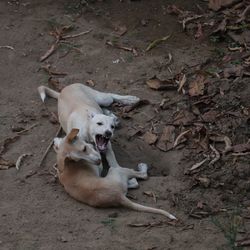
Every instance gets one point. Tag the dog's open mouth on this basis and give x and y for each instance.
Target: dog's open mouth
(101, 142)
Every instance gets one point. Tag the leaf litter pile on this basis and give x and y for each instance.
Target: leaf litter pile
(205, 109)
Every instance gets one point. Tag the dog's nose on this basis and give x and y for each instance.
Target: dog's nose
(108, 133)
(98, 162)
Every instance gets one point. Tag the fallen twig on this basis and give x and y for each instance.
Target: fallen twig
(76, 35)
(27, 129)
(50, 51)
(20, 159)
(197, 165)
(241, 154)
(179, 137)
(6, 47)
(182, 81)
(49, 146)
(118, 46)
(152, 224)
(225, 139)
(189, 19)
(217, 155)
(157, 42)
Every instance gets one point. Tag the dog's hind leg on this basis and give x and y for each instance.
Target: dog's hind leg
(106, 99)
(125, 99)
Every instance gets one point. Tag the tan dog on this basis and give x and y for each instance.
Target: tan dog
(82, 179)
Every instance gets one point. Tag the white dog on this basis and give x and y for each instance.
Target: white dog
(79, 107)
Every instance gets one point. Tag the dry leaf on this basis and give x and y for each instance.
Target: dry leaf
(196, 87)
(218, 4)
(200, 205)
(166, 140)
(243, 242)
(138, 104)
(120, 30)
(90, 83)
(173, 9)
(222, 26)
(150, 138)
(5, 164)
(4, 144)
(151, 194)
(210, 116)
(234, 71)
(55, 84)
(199, 32)
(157, 84)
(184, 117)
(204, 181)
(241, 148)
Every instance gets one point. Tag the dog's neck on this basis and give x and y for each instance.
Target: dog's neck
(61, 157)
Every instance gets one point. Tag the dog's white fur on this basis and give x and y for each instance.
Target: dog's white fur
(82, 179)
(79, 106)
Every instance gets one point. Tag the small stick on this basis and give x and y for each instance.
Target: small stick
(20, 159)
(241, 154)
(76, 35)
(49, 146)
(243, 15)
(179, 137)
(189, 19)
(182, 82)
(50, 51)
(197, 165)
(27, 129)
(217, 155)
(228, 143)
(7, 47)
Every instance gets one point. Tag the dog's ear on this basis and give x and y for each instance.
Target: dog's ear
(57, 142)
(72, 135)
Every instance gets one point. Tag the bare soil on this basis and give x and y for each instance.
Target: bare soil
(212, 203)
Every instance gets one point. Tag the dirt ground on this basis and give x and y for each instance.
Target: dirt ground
(211, 202)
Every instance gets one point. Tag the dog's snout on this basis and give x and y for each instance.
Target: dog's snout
(108, 133)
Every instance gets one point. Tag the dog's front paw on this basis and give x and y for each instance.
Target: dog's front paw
(132, 183)
(142, 167)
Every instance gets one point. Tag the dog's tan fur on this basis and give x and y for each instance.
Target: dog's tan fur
(81, 181)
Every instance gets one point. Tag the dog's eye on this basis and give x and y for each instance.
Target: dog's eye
(99, 123)
(112, 126)
(84, 149)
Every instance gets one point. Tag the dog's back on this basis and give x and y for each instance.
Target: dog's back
(81, 182)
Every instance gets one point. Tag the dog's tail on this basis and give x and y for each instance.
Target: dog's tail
(42, 90)
(135, 206)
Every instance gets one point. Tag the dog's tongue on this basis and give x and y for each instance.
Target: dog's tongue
(101, 143)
